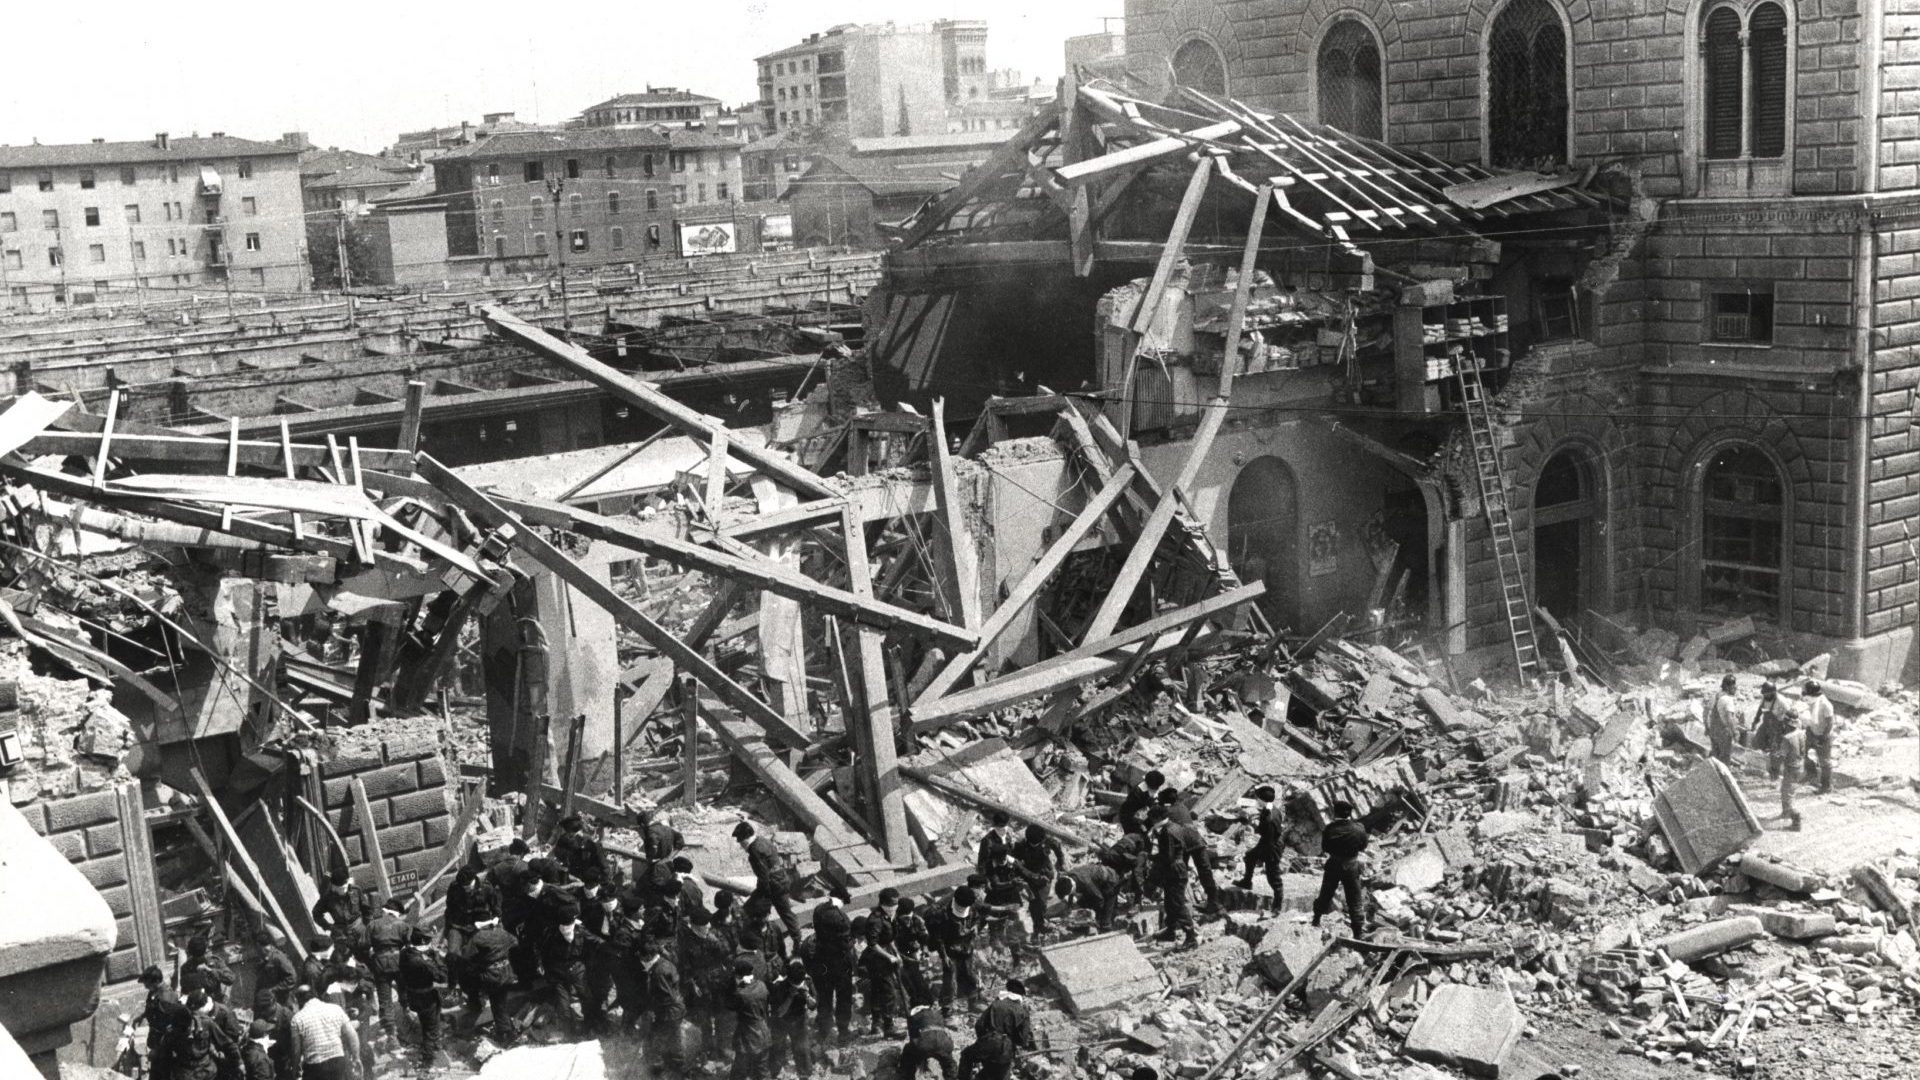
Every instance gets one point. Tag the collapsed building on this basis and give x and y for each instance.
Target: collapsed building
(1182, 436)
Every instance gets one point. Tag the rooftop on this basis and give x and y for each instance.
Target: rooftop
(876, 176)
(689, 139)
(190, 148)
(533, 143)
(362, 177)
(663, 95)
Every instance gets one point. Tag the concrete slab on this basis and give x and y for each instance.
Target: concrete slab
(1705, 817)
(566, 1061)
(1285, 950)
(991, 769)
(1466, 1028)
(1792, 925)
(1614, 734)
(1505, 823)
(1421, 869)
(1096, 972)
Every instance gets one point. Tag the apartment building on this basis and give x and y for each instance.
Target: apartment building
(874, 80)
(661, 105)
(103, 221)
(418, 147)
(576, 198)
(1718, 417)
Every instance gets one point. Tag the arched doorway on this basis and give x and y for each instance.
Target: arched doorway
(1569, 508)
(1263, 526)
(1743, 514)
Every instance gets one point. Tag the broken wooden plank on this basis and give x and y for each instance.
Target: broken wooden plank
(873, 729)
(370, 838)
(1152, 150)
(1176, 244)
(1012, 153)
(968, 795)
(544, 553)
(239, 852)
(962, 564)
(143, 890)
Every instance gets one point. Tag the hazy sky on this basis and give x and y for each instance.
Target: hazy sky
(354, 74)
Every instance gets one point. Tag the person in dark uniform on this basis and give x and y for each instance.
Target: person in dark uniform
(489, 964)
(344, 911)
(206, 1043)
(666, 1012)
(326, 970)
(205, 968)
(1008, 1015)
(994, 859)
(1171, 862)
(1131, 857)
(886, 996)
(1198, 853)
(835, 955)
(1139, 801)
(420, 975)
(706, 965)
(790, 1000)
(256, 1057)
(928, 1043)
(386, 940)
(1039, 858)
(919, 964)
(276, 972)
(659, 841)
(270, 1009)
(772, 880)
(564, 957)
(576, 847)
(955, 928)
(988, 1057)
(752, 1035)
(507, 873)
(164, 1012)
(1269, 834)
(1093, 887)
(1344, 841)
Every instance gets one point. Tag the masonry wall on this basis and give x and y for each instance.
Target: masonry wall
(1631, 94)
(411, 798)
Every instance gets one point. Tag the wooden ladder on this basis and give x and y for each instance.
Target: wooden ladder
(1493, 500)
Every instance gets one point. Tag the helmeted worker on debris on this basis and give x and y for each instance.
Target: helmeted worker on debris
(1344, 841)
(1269, 832)
(1172, 853)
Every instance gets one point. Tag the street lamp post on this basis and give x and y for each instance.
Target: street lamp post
(554, 186)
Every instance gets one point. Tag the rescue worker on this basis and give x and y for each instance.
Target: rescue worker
(276, 972)
(886, 996)
(752, 1035)
(790, 1001)
(386, 940)
(706, 965)
(1769, 723)
(919, 965)
(343, 911)
(1139, 801)
(1093, 887)
(955, 929)
(1819, 733)
(1039, 857)
(1174, 839)
(1791, 754)
(489, 964)
(772, 879)
(164, 1013)
(1008, 1015)
(666, 1012)
(563, 956)
(205, 968)
(420, 975)
(835, 956)
(626, 929)
(1269, 834)
(1131, 857)
(576, 848)
(256, 1057)
(1343, 841)
(928, 1043)
(1721, 723)
(994, 858)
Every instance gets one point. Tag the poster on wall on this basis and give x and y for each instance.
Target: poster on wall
(713, 238)
(1323, 549)
(777, 228)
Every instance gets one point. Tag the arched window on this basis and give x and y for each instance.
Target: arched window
(1527, 87)
(1348, 79)
(1745, 72)
(1199, 65)
(1742, 532)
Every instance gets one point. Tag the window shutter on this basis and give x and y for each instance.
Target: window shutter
(1768, 42)
(1723, 84)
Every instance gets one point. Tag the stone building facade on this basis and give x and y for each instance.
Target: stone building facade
(1719, 420)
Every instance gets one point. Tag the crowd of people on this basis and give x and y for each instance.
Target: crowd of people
(636, 945)
(1798, 740)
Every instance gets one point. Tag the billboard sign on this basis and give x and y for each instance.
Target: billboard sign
(714, 238)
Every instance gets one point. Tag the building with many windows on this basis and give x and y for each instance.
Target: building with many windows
(417, 147)
(576, 198)
(660, 105)
(92, 222)
(1719, 418)
(876, 80)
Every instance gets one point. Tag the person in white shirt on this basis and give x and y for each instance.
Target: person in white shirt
(325, 1044)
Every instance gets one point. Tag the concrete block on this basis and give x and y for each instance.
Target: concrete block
(1096, 972)
(1421, 869)
(432, 772)
(347, 818)
(1285, 950)
(81, 811)
(422, 862)
(1778, 874)
(73, 845)
(119, 900)
(1793, 925)
(350, 765)
(1441, 707)
(402, 839)
(381, 783)
(1705, 817)
(416, 805)
(1710, 939)
(104, 839)
(1888, 894)
(1466, 1028)
(438, 829)
(1565, 902)
(105, 872)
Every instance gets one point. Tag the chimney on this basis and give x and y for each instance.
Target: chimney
(160, 141)
(219, 135)
(297, 140)
(98, 140)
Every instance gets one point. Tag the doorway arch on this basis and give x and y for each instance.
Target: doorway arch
(1569, 524)
(1263, 530)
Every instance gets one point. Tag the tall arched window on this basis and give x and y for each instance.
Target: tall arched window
(1744, 61)
(1199, 65)
(1527, 87)
(1348, 79)
(1742, 532)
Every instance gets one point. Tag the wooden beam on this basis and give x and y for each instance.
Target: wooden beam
(1243, 291)
(1030, 584)
(238, 884)
(761, 574)
(793, 517)
(965, 794)
(245, 858)
(1009, 155)
(185, 450)
(370, 838)
(1152, 150)
(873, 730)
(649, 398)
(963, 567)
(143, 889)
(1070, 667)
(409, 441)
(1144, 315)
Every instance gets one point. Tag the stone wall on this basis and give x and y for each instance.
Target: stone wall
(410, 798)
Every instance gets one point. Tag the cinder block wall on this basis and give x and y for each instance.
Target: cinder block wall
(410, 798)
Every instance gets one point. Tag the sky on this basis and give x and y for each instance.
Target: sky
(356, 74)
